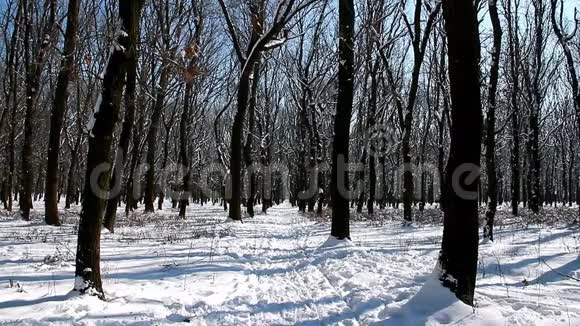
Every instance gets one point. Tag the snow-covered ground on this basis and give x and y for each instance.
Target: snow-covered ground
(279, 269)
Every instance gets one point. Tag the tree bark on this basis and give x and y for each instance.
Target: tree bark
(183, 131)
(71, 186)
(152, 138)
(131, 198)
(490, 123)
(236, 146)
(514, 62)
(459, 249)
(58, 111)
(249, 140)
(127, 128)
(371, 121)
(33, 73)
(340, 228)
(88, 272)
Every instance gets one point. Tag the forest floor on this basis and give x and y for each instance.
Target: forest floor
(281, 269)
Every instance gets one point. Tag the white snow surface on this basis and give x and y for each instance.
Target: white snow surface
(280, 268)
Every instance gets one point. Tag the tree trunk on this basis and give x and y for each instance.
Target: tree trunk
(265, 159)
(249, 140)
(490, 122)
(257, 44)
(127, 129)
(371, 120)
(71, 187)
(131, 197)
(339, 183)
(535, 166)
(443, 116)
(12, 72)
(152, 138)
(183, 131)
(33, 73)
(514, 60)
(88, 272)
(459, 249)
(58, 112)
(163, 184)
(419, 44)
(565, 39)
(236, 145)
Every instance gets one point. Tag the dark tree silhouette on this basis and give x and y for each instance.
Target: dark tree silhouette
(490, 123)
(459, 249)
(339, 184)
(58, 111)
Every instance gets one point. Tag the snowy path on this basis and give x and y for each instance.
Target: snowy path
(276, 269)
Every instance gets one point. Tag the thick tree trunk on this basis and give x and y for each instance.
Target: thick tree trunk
(88, 271)
(236, 146)
(58, 112)
(459, 249)
(339, 184)
(443, 116)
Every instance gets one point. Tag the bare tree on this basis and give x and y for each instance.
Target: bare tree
(189, 75)
(11, 97)
(339, 183)
(262, 39)
(419, 39)
(101, 127)
(33, 71)
(490, 123)
(58, 112)
(128, 121)
(514, 77)
(565, 39)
